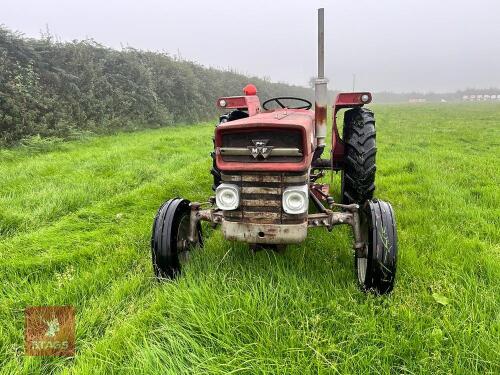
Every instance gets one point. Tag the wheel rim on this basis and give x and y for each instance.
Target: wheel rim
(342, 182)
(183, 245)
(362, 262)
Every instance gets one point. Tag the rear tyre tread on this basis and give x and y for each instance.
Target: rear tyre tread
(358, 180)
(215, 172)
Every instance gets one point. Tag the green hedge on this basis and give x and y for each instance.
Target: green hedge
(55, 89)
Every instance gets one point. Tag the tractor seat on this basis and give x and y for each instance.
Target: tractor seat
(233, 115)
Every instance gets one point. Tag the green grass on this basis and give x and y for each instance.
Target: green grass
(75, 224)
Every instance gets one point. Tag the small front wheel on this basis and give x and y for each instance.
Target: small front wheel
(170, 245)
(376, 268)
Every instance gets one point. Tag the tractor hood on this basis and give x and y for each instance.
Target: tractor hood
(281, 140)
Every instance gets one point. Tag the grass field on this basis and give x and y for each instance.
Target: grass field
(75, 222)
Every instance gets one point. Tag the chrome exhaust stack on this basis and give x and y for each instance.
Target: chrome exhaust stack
(320, 88)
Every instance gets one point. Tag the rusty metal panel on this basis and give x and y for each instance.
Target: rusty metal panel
(264, 233)
(230, 177)
(290, 178)
(235, 215)
(261, 178)
(260, 190)
(293, 219)
(262, 216)
(260, 203)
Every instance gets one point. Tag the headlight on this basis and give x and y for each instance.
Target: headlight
(295, 199)
(227, 197)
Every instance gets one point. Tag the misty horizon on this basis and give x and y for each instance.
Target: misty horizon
(411, 47)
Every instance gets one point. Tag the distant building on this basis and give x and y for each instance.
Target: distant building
(480, 97)
(417, 100)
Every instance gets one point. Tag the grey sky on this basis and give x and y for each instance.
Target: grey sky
(390, 45)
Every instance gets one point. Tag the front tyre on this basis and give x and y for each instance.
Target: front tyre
(170, 246)
(376, 268)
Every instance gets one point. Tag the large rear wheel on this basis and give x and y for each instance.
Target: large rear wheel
(170, 245)
(358, 175)
(376, 268)
(215, 172)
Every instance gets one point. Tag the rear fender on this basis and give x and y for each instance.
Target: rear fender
(251, 103)
(344, 100)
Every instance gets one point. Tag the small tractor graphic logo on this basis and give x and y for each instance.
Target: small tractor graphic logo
(50, 331)
(261, 148)
(52, 327)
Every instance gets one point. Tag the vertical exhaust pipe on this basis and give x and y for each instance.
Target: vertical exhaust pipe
(320, 88)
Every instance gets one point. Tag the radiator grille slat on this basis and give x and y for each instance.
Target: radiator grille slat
(260, 190)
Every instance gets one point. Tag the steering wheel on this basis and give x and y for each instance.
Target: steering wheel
(278, 99)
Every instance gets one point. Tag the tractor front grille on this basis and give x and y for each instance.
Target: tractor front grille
(261, 197)
(283, 146)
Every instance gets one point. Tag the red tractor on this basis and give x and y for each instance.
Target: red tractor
(266, 167)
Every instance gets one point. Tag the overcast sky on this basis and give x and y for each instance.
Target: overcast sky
(397, 45)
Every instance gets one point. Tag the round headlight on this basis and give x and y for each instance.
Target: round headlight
(365, 98)
(227, 197)
(222, 103)
(295, 199)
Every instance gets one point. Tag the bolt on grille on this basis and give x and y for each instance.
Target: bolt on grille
(280, 145)
(261, 197)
